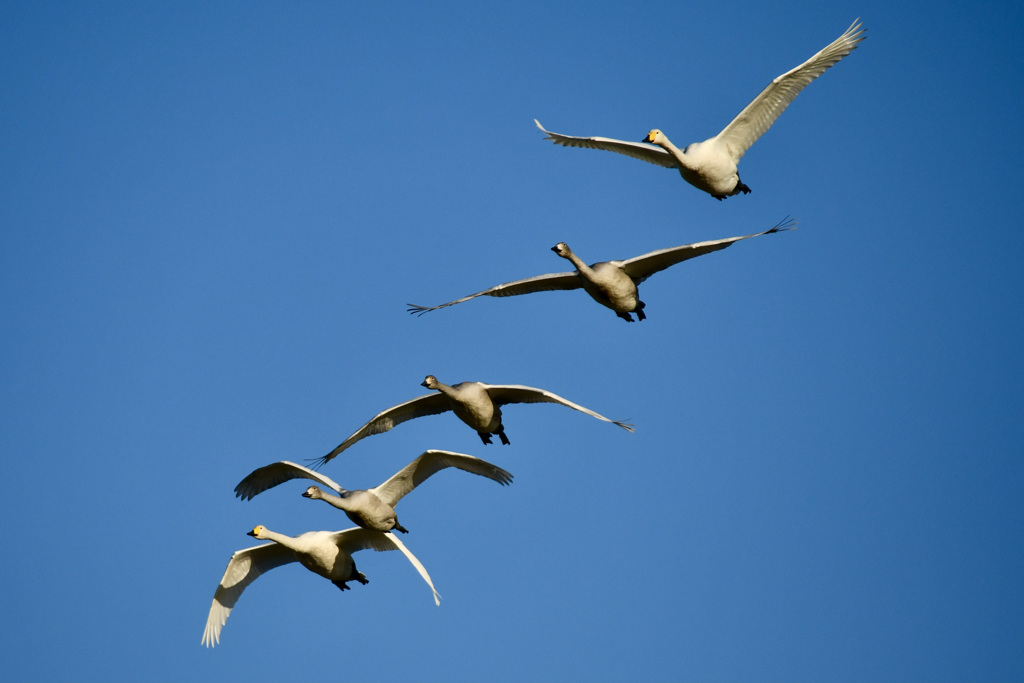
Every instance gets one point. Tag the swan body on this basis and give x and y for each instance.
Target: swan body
(607, 283)
(610, 283)
(370, 508)
(327, 553)
(711, 165)
(362, 507)
(475, 403)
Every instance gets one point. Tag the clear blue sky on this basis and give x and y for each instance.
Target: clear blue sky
(214, 214)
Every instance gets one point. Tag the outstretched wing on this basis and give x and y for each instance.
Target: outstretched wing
(416, 472)
(417, 564)
(357, 538)
(269, 476)
(760, 114)
(517, 393)
(428, 404)
(639, 268)
(244, 568)
(540, 283)
(637, 150)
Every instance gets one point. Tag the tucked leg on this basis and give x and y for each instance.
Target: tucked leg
(501, 435)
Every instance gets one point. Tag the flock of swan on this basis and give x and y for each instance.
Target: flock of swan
(710, 166)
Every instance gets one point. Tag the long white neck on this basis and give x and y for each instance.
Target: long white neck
(340, 502)
(444, 389)
(677, 154)
(577, 261)
(286, 541)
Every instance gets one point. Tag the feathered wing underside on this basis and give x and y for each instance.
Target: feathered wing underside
(428, 404)
(758, 116)
(637, 150)
(244, 567)
(517, 393)
(417, 564)
(539, 283)
(356, 539)
(269, 476)
(639, 268)
(430, 462)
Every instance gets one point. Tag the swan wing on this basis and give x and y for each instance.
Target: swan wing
(760, 114)
(429, 462)
(539, 283)
(637, 150)
(428, 404)
(269, 476)
(357, 538)
(517, 393)
(244, 567)
(417, 564)
(639, 268)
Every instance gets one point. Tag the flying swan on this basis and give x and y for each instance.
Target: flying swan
(475, 403)
(327, 553)
(711, 165)
(371, 508)
(609, 283)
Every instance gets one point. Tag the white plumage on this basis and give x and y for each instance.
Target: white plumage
(475, 403)
(370, 508)
(610, 283)
(327, 553)
(711, 165)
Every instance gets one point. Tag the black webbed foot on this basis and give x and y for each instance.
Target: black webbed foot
(485, 437)
(501, 435)
(399, 527)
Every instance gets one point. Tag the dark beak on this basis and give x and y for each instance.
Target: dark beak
(645, 138)
(251, 533)
(305, 494)
(554, 249)
(423, 384)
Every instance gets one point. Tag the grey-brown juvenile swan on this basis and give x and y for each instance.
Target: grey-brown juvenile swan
(711, 165)
(475, 403)
(370, 508)
(327, 553)
(610, 283)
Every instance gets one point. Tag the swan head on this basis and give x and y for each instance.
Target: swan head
(258, 532)
(562, 249)
(313, 492)
(430, 382)
(655, 137)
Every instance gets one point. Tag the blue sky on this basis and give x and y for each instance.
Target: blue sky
(214, 213)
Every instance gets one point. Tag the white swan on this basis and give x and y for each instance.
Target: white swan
(711, 165)
(475, 403)
(371, 508)
(609, 283)
(327, 553)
